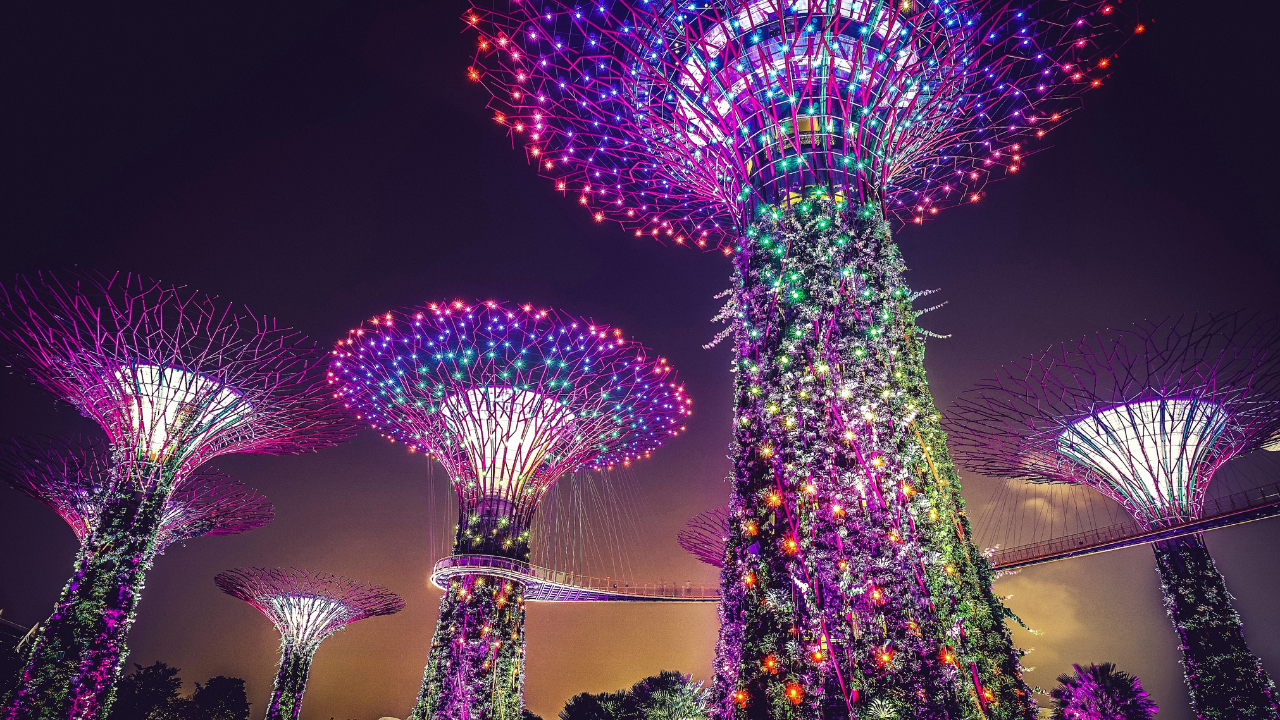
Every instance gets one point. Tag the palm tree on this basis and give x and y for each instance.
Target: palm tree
(1100, 692)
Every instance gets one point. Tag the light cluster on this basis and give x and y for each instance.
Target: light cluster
(508, 399)
(685, 121)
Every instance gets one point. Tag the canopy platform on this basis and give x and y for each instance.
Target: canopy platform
(545, 585)
(1242, 507)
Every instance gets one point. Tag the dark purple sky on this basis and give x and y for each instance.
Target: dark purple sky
(324, 161)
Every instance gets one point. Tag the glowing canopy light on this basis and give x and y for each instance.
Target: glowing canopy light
(508, 399)
(168, 408)
(1150, 455)
(682, 119)
(506, 434)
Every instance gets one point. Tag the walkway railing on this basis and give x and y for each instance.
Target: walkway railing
(1221, 512)
(545, 585)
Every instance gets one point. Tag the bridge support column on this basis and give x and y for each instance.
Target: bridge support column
(475, 669)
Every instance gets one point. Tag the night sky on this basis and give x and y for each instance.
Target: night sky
(322, 162)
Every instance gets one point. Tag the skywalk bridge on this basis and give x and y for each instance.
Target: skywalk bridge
(1242, 507)
(545, 585)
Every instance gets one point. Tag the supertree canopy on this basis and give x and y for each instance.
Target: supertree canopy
(174, 378)
(306, 608)
(786, 133)
(686, 120)
(1146, 415)
(73, 477)
(706, 535)
(509, 400)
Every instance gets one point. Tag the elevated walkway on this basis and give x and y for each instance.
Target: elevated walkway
(1247, 506)
(544, 585)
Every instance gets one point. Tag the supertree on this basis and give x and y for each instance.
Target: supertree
(509, 400)
(706, 535)
(306, 608)
(174, 378)
(787, 134)
(1146, 415)
(73, 477)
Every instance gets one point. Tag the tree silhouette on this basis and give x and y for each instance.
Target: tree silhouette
(1100, 692)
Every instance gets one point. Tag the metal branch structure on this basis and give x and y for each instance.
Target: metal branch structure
(509, 400)
(686, 120)
(1146, 415)
(73, 477)
(174, 378)
(209, 503)
(706, 536)
(306, 608)
(787, 134)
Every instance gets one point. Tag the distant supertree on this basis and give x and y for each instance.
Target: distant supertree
(509, 400)
(1100, 692)
(306, 608)
(1146, 416)
(175, 378)
(73, 477)
(787, 133)
(706, 535)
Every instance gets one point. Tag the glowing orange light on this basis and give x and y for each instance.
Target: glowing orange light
(770, 664)
(795, 693)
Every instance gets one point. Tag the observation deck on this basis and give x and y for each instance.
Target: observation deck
(544, 585)
(1242, 507)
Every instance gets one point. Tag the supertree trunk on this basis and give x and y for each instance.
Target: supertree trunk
(1224, 678)
(291, 681)
(851, 587)
(475, 669)
(75, 660)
